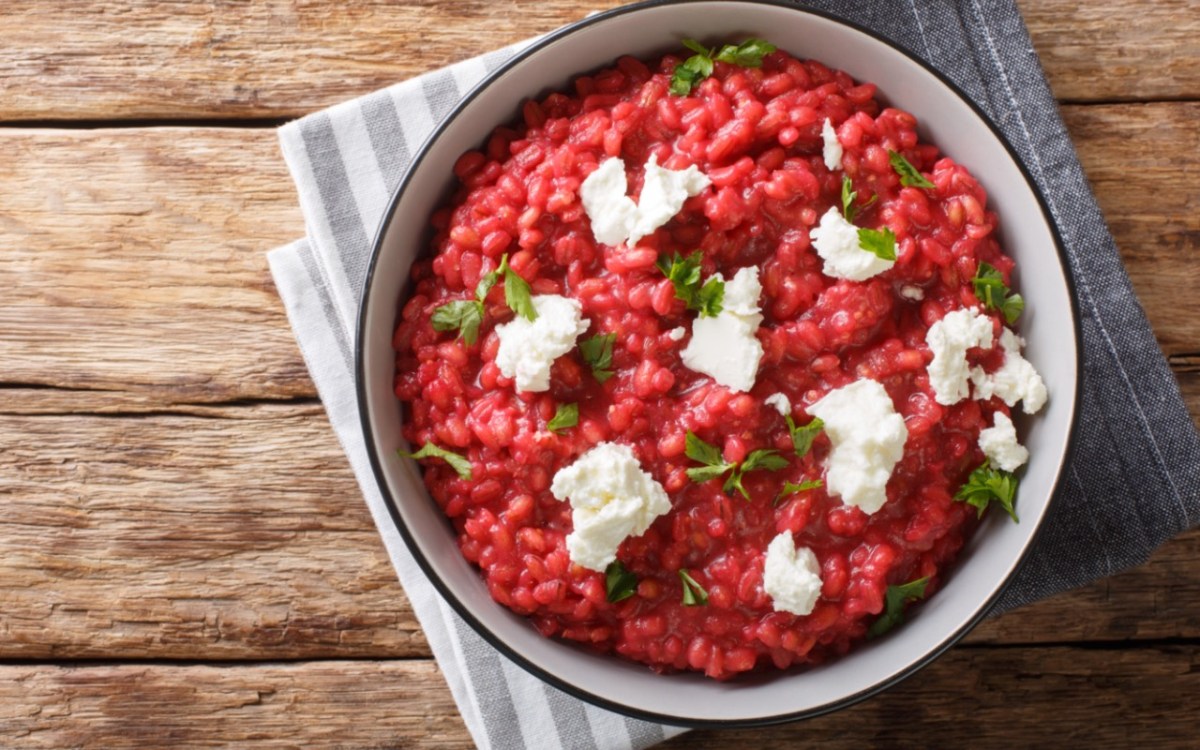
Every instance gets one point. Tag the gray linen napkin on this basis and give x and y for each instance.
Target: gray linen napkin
(1134, 480)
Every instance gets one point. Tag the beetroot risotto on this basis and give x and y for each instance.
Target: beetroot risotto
(712, 364)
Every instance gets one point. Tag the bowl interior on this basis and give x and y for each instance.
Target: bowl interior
(1048, 325)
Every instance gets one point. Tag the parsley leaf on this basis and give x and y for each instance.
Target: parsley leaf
(791, 488)
(715, 465)
(598, 353)
(802, 437)
(748, 54)
(693, 593)
(689, 73)
(566, 415)
(849, 209)
(516, 291)
(464, 316)
(711, 297)
(986, 485)
(461, 465)
(879, 242)
(894, 601)
(619, 583)
(992, 292)
(909, 176)
(684, 275)
(706, 453)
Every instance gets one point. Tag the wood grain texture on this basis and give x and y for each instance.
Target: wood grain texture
(146, 271)
(1138, 51)
(176, 536)
(118, 59)
(239, 533)
(998, 698)
(167, 295)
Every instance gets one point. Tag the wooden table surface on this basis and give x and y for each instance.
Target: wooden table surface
(184, 557)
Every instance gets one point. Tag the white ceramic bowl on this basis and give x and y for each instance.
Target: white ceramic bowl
(1050, 324)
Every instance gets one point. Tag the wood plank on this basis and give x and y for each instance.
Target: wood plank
(240, 534)
(1117, 51)
(336, 704)
(983, 698)
(284, 58)
(1133, 157)
(146, 272)
(191, 538)
(132, 270)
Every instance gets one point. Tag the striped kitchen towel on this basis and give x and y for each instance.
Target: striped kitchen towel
(1135, 478)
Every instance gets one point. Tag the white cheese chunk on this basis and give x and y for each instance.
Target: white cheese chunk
(725, 347)
(610, 210)
(611, 499)
(868, 439)
(677, 334)
(616, 218)
(1016, 380)
(832, 152)
(836, 241)
(781, 402)
(914, 293)
(529, 347)
(999, 444)
(791, 576)
(663, 194)
(949, 339)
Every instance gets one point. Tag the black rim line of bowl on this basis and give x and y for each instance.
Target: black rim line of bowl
(500, 645)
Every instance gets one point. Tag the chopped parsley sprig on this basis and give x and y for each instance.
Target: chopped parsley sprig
(684, 274)
(803, 437)
(909, 176)
(894, 601)
(995, 294)
(791, 488)
(689, 73)
(619, 583)
(716, 466)
(461, 465)
(987, 485)
(849, 208)
(466, 315)
(566, 415)
(879, 242)
(693, 593)
(597, 352)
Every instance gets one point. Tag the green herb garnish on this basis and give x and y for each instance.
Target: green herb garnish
(994, 293)
(463, 315)
(987, 485)
(879, 242)
(619, 583)
(791, 488)
(689, 73)
(895, 599)
(684, 274)
(849, 210)
(693, 593)
(802, 437)
(909, 176)
(466, 315)
(566, 415)
(516, 291)
(598, 353)
(716, 466)
(461, 465)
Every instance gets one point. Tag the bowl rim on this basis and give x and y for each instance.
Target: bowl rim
(444, 591)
